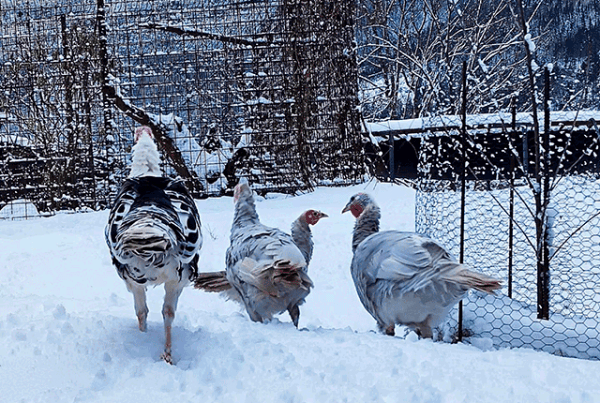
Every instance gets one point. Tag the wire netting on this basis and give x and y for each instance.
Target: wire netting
(268, 90)
(503, 197)
(262, 89)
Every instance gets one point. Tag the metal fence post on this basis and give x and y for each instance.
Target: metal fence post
(392, 158)
(107, 117)
(543, 256)
(463, 186)
(511, 213)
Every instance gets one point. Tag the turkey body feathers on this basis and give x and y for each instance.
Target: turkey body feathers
(404, 277)
(153, 231)
(154, 234)
(268, 271)
(264, 266)
(399, 280)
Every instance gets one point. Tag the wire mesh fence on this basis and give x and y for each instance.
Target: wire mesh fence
(511, 319)
(262, 89)
(524, 207)
(267, 90)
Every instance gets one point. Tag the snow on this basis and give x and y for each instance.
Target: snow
(483, 66)
(68, 331)
(530, 43)
(414, 127)
(19, 209)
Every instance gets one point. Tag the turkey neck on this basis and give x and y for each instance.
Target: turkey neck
(303, 237)
(366, 224)
(245, 211)
(145, 158)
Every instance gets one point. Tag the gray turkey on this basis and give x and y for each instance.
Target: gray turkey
(266, 268)
(153, 233)
(403, 277)
(302, 237)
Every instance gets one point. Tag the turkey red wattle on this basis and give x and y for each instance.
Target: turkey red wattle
(141, 130)
(145, 158)
(357, 204)
(356, 210)
(312, 217)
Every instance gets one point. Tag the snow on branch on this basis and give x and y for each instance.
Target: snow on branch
(207, 35)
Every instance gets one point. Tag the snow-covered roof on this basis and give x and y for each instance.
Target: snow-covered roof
(449, 122)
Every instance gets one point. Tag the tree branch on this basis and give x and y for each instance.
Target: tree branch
(208, 35)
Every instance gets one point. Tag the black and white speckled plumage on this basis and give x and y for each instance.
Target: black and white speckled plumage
(403, 277)
(264, 265)
(154, 233)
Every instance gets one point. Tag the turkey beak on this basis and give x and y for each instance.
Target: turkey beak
(323, 215)
(347, 208)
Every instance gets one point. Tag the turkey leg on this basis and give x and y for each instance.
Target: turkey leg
(172, 293)
(139, 302)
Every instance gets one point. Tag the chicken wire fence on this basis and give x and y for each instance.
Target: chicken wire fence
(522, 207)
(267, 90)
(261, 89)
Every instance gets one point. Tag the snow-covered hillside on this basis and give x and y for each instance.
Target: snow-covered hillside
(68, 331)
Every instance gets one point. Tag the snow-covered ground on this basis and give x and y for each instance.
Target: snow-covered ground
(68, 331)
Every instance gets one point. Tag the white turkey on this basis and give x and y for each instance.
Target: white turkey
(403, 277)
(266, 268)
(154, 234)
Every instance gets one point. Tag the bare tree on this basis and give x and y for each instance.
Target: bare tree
(410, 53)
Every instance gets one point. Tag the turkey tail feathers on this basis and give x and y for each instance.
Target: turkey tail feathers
(478, 281)
(289, 276)
(212, 282)
(268, 277)
(146, 237)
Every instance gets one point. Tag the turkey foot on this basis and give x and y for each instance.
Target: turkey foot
(166, 357)
(424, 332)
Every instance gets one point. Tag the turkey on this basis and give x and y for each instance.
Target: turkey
(154, 234)
(302, 237)
(403, 277)
(266, 268)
